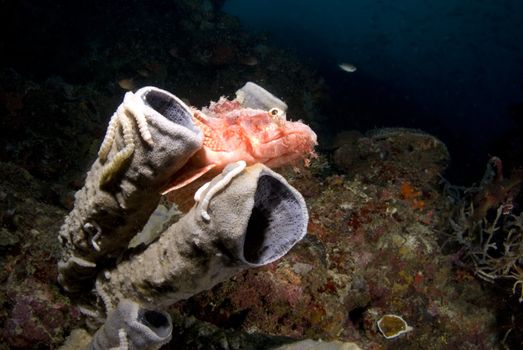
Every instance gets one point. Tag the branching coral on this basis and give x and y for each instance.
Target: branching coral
(489, 232)
(494, 247)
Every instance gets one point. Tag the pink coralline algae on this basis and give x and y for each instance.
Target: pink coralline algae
(37, 315)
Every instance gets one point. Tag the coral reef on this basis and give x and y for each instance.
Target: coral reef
(354, 152)
(372, 250)
(36, 318)
(377, 208)
(35, 113)
(487, 227)
(34, 314)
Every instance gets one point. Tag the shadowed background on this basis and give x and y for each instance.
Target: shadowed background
(452, 68)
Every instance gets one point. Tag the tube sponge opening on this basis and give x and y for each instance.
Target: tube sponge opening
(156, 321)
(171, 107)
(278, 220)
(143, 328)
(253, 219)
(122, 190)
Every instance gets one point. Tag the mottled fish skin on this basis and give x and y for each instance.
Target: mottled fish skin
(253, 135)
(235, 133)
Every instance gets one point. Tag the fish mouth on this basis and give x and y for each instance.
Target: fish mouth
(285, 150)
(302, 136)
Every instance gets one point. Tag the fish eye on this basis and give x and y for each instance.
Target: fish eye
(275, 112)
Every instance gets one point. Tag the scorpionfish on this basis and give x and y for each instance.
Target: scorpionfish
(233, 132)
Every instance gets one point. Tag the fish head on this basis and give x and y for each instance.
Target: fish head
(276, 141)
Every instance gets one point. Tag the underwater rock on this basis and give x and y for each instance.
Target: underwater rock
(34, 313)
(222, 54)
(248, 60)
(14, 177)
(372, 247)
(37, 315)
(7, 238)
(407, 150)
(319, 345)
(43, 111)
(78, 339)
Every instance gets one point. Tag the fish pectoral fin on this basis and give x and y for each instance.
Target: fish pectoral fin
(188, 177)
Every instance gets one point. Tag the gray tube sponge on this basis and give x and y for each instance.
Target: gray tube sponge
(254, 96)
(149, 138)
(244, 218)
(131, 326)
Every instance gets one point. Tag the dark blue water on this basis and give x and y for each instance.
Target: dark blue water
(451, 67)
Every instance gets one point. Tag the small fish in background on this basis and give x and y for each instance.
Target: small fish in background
(347, 67)
(127, 84)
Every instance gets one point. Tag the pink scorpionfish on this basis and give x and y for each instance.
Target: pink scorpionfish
(233, 132)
